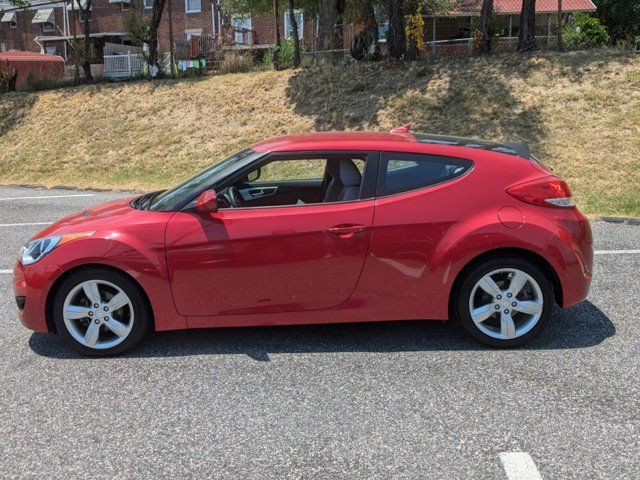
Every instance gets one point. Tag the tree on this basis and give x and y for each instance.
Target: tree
(155, 65)
(621, 17)
(295, 34)
(397, 39)
(326, 20)
(144, 31)
(527, 35)
(87, 47)
(485, 26)
(365, 44)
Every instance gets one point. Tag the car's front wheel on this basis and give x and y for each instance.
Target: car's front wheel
(504, 302)
(100, 312)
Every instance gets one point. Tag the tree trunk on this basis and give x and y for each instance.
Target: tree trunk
(86, 65)
(397, 40)
(296, 38)
(337, 39)
(370, 22)
(276, 50)
(365, 44)
(526, 35)
(485, 26)
(327, 14)
(155, 65)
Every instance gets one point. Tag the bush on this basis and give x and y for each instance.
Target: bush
(5, 79)
(236, 63)
(584, 31)
(285, 57)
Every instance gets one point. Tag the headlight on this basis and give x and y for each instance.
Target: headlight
(35, 250)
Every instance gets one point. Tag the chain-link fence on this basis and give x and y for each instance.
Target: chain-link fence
(197, 35)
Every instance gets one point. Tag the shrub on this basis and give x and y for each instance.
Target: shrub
(584, 31)
(33, 83)
(285, 56)
(5, 79)
(236, 63)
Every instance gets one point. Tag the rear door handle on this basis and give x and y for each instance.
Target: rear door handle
(346, 230)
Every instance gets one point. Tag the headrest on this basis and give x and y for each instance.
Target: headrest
(349, 174)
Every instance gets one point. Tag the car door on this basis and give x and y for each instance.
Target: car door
(419, 198)
(268, 259)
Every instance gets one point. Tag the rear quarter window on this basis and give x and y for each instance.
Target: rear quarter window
(403, 172)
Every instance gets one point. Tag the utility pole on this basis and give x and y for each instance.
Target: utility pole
(173, 74)
(75, 42)
(559, 24)
(276, 50)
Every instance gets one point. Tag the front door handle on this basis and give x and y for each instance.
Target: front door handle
(346, 230)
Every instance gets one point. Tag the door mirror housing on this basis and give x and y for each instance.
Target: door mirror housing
(207, 202)
(253, 176)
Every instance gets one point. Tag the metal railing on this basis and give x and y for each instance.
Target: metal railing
(123, 66)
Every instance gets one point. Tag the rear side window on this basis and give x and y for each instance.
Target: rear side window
(402, 172)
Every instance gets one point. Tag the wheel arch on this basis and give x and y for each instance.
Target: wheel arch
(522, 253)
(56, 284)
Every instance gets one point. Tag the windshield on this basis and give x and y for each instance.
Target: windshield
(186, 191)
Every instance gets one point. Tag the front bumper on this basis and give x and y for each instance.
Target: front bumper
(31, 285)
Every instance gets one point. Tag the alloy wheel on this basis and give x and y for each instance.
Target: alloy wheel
(506, 303)
(98, 314)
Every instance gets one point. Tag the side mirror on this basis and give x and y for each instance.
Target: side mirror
(207, 202)
(253, 176)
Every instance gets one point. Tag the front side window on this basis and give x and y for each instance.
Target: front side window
(48, 27)
(289, 180)
(402, 172)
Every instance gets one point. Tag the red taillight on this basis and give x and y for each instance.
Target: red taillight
(546, 192)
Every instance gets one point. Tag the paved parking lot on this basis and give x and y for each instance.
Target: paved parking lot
(402, 399)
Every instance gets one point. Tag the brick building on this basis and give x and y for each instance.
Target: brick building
(45, 27)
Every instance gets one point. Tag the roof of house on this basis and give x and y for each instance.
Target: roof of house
(510, 7)
(32, 5)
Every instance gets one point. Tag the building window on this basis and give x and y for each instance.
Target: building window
(51, 50)
(192, 6)
(241, 25)
(288, 28)
(48, 27)
(148, 4)
(124, 6)
(13, 24)
(82, 15)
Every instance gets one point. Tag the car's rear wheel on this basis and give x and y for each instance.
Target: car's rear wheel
(100, 312)
(504, 302)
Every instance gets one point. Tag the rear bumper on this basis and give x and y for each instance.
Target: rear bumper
(571, 249)
(31, 285)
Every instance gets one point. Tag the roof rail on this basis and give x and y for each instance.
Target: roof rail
(403, 129)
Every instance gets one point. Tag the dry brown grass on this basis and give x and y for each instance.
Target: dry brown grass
(579, 111)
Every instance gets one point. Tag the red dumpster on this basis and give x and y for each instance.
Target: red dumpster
(38, 65)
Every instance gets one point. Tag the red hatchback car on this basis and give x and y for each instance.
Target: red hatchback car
(319, 228)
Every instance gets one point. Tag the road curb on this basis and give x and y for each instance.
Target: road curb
(623, 220)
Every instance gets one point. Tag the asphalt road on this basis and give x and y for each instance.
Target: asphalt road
(402, 399)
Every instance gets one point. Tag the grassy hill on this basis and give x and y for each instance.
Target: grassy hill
(579, 111)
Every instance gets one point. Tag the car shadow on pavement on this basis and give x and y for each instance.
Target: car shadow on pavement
(581, 326)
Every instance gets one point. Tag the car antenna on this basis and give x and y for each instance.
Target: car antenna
(403, 129)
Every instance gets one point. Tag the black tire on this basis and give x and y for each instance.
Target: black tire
(463, 293)
(142, 318)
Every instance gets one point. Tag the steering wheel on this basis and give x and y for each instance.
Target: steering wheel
(232, 197)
